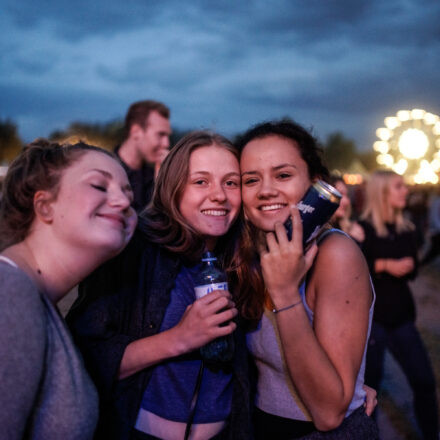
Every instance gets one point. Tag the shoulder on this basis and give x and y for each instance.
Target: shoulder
(23, 317)
(338, 264)
(17, 290)
(336, 248)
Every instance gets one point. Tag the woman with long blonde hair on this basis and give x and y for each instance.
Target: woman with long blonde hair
(390, 247)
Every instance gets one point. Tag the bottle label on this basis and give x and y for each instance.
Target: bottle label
(208, 288)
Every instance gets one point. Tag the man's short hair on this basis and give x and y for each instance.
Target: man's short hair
(138, 113)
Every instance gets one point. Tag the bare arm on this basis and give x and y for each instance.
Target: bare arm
(323, 361)
(198, 326)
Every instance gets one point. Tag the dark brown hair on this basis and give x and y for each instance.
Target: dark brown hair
(39, 167)
(248, 280)
(164, 224)
(138, 113)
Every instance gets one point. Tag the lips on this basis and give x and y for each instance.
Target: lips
(115, 218)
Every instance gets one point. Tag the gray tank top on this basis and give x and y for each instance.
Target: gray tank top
(273, 378)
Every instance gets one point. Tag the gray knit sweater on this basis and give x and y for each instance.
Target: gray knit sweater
(45, 392)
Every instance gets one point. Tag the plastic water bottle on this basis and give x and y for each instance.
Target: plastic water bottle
(211, 278)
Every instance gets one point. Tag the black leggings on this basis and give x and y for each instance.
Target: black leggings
(408, 350)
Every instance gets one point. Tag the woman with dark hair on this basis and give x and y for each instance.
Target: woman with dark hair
(309, 314)
(390, 247)
(137, 321)
(65, 210)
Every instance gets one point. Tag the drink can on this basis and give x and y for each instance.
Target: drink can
(316, 208)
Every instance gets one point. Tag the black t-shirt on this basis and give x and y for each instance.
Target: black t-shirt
(142, 183)
(394, 302)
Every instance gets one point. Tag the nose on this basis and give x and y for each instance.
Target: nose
(119, 198)
(217, 193)
(266, 190)
(165, 142)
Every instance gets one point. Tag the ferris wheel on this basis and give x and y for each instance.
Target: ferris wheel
(409, 144)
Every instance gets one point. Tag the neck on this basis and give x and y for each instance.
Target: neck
(54, 270)
(130, 155)
(390, 216)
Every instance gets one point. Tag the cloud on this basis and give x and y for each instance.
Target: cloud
(337, 65)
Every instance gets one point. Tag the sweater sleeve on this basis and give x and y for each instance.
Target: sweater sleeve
(95, 321)
(22, 350)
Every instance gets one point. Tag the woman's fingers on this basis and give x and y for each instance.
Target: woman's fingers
(297, 229)
(310, 255)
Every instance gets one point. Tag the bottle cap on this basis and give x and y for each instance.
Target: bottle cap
(208, 256)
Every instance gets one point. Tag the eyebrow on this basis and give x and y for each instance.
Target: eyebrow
(276, 168)
(207, 173)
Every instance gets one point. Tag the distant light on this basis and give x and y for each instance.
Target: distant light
(385, 159)
(400, 167)
(381, 147)
(392, 122)
(425, 174)
(353, 179)
(413, 143)
(430, 119)
(409, 144)
(417, 113)
(435, 165)
(384, 133)
(403, 115)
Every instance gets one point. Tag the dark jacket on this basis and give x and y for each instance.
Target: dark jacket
(125, 300)
(394, 301)
(141, 181)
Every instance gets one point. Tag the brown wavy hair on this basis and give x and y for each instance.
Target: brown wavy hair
(248, 279)
(39, 167)
(162, 221)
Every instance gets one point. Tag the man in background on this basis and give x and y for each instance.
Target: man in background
(145, 146)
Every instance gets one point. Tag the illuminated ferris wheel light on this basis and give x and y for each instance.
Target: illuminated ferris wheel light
(384, 133)
(409, 144)
(401, 166)
(381, 147)
(392, 122)
(425, 173)
(435, 165)
(430, 119)
(403, 115)
(413, 143)
(417, 113)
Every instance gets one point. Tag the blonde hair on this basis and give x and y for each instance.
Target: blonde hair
(376, 204)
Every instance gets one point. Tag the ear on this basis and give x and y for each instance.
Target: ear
(135, 130)
(43, 206)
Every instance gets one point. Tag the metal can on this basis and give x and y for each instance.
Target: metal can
(316, 208)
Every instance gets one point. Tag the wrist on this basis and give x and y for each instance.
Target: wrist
(178, 344)
(285, 298)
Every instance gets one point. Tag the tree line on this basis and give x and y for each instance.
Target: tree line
(339, 151)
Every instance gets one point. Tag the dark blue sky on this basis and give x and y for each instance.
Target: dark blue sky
(332, 65)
